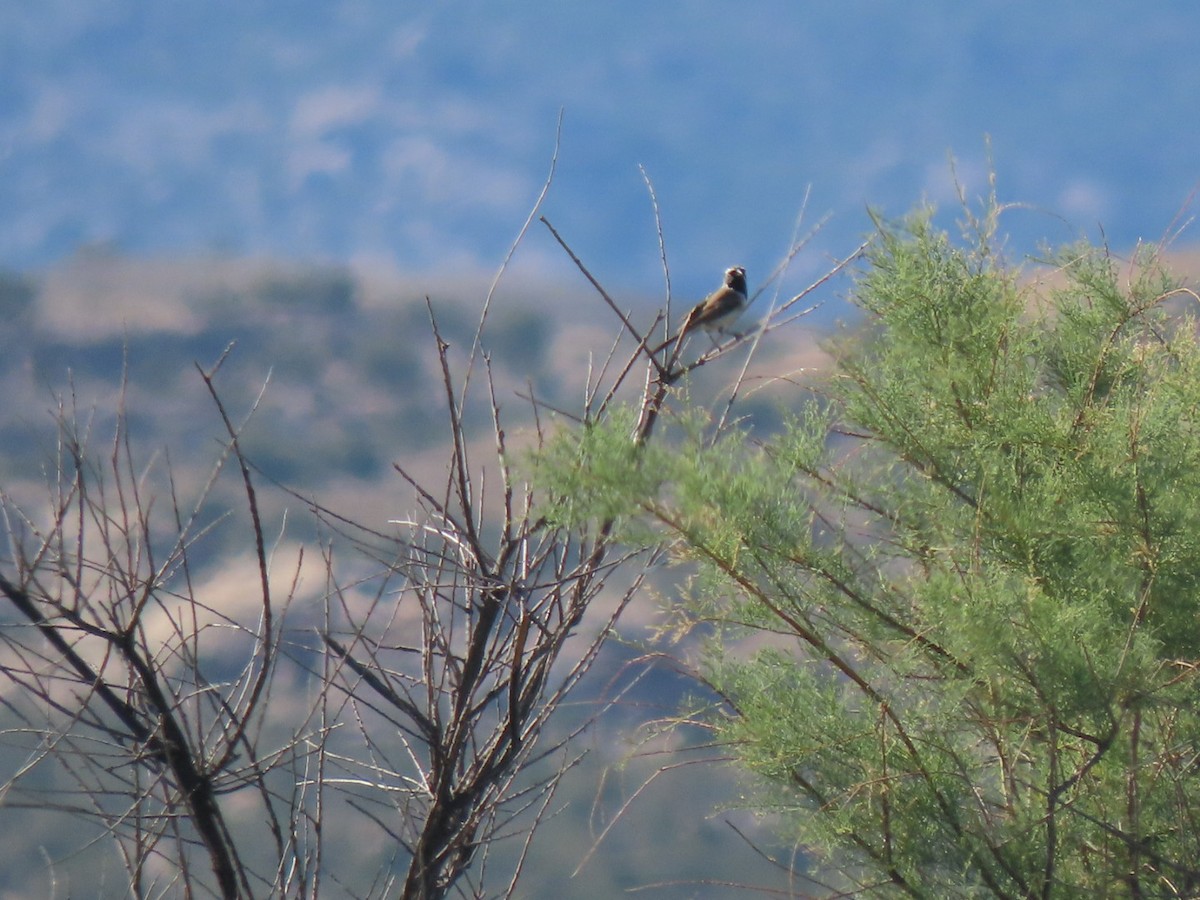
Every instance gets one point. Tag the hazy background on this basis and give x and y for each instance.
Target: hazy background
(416, 135)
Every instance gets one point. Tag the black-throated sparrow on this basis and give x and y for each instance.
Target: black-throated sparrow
(718, 310)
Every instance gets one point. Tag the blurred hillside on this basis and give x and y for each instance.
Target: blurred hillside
(342, 367)
(346, 357)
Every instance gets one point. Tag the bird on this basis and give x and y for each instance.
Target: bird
(718, 310)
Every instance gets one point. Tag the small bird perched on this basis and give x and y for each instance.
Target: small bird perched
(718, 310)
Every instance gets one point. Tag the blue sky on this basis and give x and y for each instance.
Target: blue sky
(418, 134)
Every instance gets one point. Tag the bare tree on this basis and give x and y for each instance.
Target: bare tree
(111, 653)
(462, 651)
(449, 643)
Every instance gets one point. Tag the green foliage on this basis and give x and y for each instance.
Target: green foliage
(596, 473)
(975, 571)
